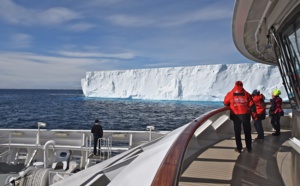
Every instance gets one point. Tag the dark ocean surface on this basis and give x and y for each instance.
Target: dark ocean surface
(69, 109)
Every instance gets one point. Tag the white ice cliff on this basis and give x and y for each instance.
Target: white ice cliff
(196, 83)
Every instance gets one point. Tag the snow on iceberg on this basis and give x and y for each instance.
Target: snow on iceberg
(191, 83)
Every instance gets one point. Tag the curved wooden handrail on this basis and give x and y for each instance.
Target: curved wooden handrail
(169, 171)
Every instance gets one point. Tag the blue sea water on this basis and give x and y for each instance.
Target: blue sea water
(69, 109)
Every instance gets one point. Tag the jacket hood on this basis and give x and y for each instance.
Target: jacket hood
(237, 88)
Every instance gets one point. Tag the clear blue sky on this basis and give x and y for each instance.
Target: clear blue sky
(53, 43)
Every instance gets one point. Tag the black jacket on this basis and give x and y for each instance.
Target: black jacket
(97, 130)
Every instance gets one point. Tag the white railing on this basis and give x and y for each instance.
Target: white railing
(5, 150)
(105, 147)
(80, 142)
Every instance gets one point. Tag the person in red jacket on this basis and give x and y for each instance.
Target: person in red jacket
(276, 111)
(241, 106)
(260, 107)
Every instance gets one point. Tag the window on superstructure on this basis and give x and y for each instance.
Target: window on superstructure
(293, 58)
(285, 71)
(288, 56)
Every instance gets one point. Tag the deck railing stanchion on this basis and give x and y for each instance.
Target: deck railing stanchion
(150, 128)
(83, 139)
(9, 142)
(90, 143)
(130, 140)
(39, 124)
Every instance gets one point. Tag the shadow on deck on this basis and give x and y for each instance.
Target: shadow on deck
(221, 165)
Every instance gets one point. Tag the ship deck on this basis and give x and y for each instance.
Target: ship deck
(221, 165)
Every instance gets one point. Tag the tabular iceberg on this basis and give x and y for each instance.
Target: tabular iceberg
(191, 83)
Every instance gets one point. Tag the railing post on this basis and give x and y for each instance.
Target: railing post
(150, 128)
(99, 146)
(40, 124)
(9, 142)
(90, 143)
(83, 139)
(87, 150)
(108, 149)
(130, 140)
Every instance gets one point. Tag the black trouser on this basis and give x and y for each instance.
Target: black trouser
(247, 131)
(95, 144)
(259, 129)
(275, 120)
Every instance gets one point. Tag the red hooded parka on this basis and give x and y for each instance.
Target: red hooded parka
(240, 102)
(260, 105)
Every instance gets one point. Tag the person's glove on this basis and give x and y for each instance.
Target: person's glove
(254, 116)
